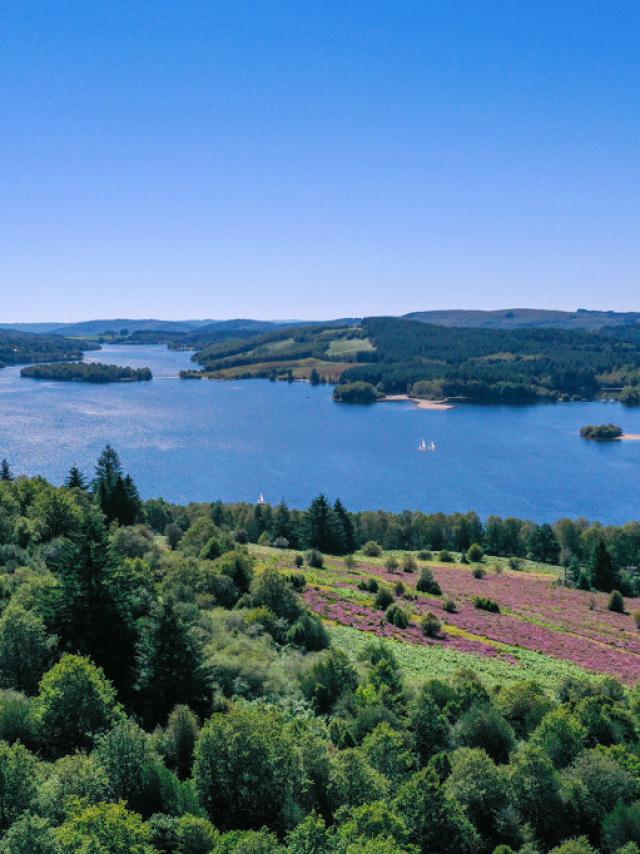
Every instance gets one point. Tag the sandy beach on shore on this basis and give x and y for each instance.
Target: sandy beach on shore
(434, 405)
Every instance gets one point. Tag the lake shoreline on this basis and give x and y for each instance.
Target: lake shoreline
(420, 403)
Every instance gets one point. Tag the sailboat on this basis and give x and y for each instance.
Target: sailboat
(432, 446)
(261, 499)
(422, 446)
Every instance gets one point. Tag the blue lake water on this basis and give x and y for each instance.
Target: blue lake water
(204, 440)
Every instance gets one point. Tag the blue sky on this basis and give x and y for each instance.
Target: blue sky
(316, 159)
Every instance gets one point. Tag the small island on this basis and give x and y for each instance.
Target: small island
(356, 392)
(602, 432)
(86, 372)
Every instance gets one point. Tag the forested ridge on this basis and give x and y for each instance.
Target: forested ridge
(498, 364)
(161, 690)
(20, 347)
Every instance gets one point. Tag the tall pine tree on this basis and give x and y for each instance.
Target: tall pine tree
(604, 575)
(93, 614)
(171, 669)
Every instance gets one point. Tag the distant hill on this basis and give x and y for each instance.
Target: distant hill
(18, 347)
(525, 318)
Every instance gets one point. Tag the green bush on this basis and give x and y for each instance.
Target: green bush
(383, 599)
(427, 582)
(475, 553)
(314, 559)
(616, 602)
(371, 549)
(445, 556)
(397, 616)
(430, 625)
(486, 604)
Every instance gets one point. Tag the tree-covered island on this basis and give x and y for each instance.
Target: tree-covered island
(602, 431)
(92, 372)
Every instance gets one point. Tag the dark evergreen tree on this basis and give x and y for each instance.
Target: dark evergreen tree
(75, 479)
(603, 572)
(314, 379)
(281, 524)
(543, 544)
(5, 471)
(116, 493)
(323, 528)
(92, 613)
(348, 533)
(171, 669)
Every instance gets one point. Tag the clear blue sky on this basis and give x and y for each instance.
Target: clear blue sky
(312, 159)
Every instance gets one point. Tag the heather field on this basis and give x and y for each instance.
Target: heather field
(543, 630)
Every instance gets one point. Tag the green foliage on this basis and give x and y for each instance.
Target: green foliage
(246, 771)
(87, 372)
(427, 582)
(430, 625)
(30, 834)
(486, 604)
(104, 828)
(25, 649)
(483, 726)
(356, 392)
(171, 667)
(72, 778)
(18, 782)
(616, 602)
(75, 704)
(601, 431)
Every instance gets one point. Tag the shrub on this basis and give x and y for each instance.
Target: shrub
(486, 604)
(463, 557)
(264, 539)
(445, 556)
(475, 553)
(281, 543)
(427, 582)
(616, 602)
(397, 616)
(398, 588)
(515, 563)
(478, 572)
(449, 606)
(391, 564)
(430, 625)
(409, 563)
(424, 554)
(297, 580)
(350, 562)
(369, 584)
(314, 558)
(371, 549)
(298, 560)
(383, 599)
(241, 537)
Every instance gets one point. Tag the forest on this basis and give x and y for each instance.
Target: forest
(499, 365)
(87, 372)
(21, 347)
(164, 688)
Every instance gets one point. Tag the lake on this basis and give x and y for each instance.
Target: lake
(206, 440)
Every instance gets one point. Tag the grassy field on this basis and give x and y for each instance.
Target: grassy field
(543, 630)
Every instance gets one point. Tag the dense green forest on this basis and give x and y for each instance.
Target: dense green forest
(87, 372)
(498, 364)
(160, 691)
(20, 347)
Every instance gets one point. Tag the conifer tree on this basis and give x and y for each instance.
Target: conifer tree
(348, 534)
(5, 471)
(603, 572)
(171, 669)
(75, 479)
(92, 614)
